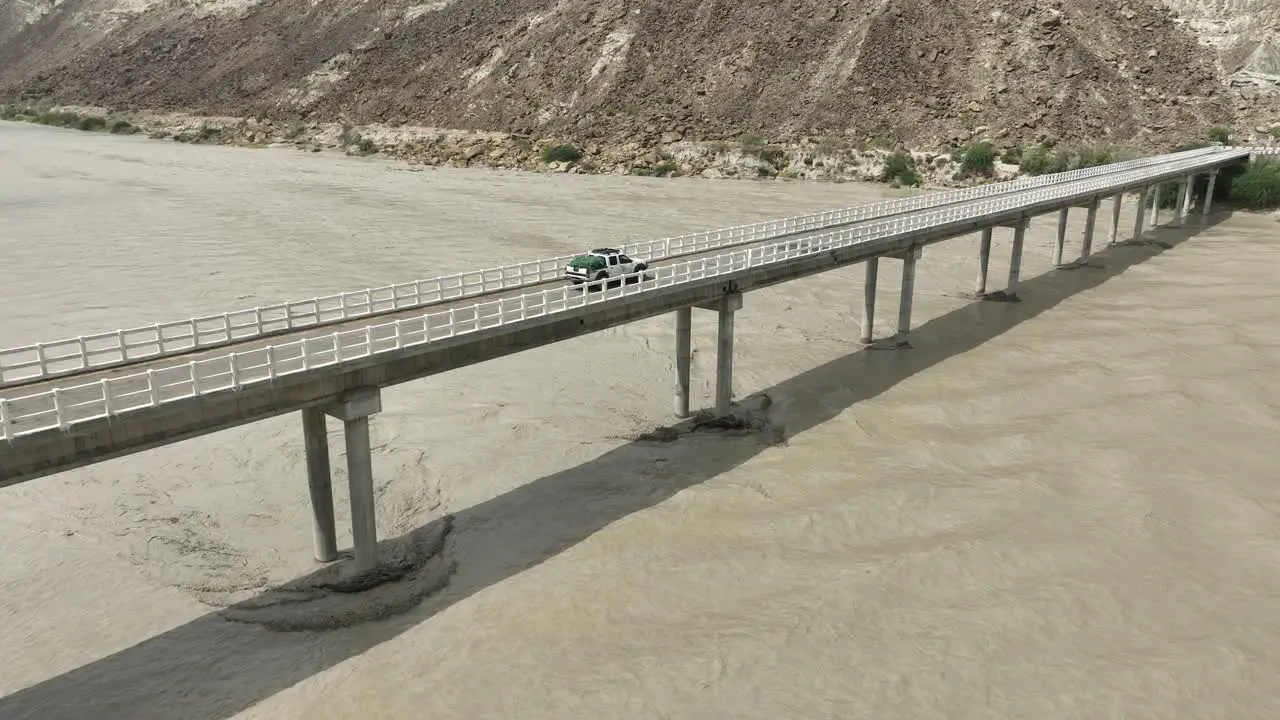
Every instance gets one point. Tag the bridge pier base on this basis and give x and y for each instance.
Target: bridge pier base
(1116, 204)
(1139, 216)
(354, 410)
(1015, 259)
(908, 292)
(1063, 215)
(869, 300)
(726, 307)
(1207, 207)
(984, 263)
(1090, 223)
(1154, 222)
(315, 435)
(684, 359)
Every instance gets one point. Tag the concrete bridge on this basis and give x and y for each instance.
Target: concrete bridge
(74, 402)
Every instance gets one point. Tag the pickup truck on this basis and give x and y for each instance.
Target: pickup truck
(602, 264)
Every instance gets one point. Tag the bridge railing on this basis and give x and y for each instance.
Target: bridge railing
(66, 406)
(69, 356)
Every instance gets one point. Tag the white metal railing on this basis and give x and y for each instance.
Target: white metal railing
(75, 355)
(65, 407)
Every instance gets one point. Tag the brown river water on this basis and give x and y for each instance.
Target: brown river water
(1061, 508)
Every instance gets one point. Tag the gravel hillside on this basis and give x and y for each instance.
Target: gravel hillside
(916, 72)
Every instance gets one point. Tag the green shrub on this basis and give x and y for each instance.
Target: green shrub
(1169, 196)
(1037, 161)
(902, 168)
(89, 124)
(561, 153)
(1012, 155)
(1220, 134)
(121, 127)
(979, 159)
(57, 119)
(1257, 188)
(1226, 179)
(665, 168)
(775, 156)
(751, 143)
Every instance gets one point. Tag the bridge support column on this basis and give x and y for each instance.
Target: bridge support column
(319, 481)
(1091, 220)
(1115, 219)
(1155, 206)
(354, 410)
(869, 299)
(1061, 244)
(1188, 191)
(984, 263)
(1139, 216)
(908, 291)
(1208, 193)
(726, 307)
(684, 358)
(1015, 259)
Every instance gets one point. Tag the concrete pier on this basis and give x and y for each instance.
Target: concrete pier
(727, 306)
(1141, 215)
(1015, 260)
(1090, 223)
(869, 300)
(684, 359)
(984, 263)
(1155, 206)
(908, 291)
(319, 481)
(1188, 193)
(1208, 194)
(354, 411)
(1060, 246)
(1115, 219)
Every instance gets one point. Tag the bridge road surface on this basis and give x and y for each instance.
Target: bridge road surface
(19, 389)
(85, 387)
(863, 214)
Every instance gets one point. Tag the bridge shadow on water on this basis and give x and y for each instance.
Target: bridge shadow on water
(212, 668)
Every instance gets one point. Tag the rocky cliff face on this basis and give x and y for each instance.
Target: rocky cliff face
(1245, 34)
(918, 72)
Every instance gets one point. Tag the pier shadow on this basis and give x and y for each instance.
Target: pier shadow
(212, 668)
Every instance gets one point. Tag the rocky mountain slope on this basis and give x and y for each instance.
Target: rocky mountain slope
(916, 72)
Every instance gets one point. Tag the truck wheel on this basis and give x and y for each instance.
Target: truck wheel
(602, 277)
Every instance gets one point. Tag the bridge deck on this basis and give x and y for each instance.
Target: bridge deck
(62, 423)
